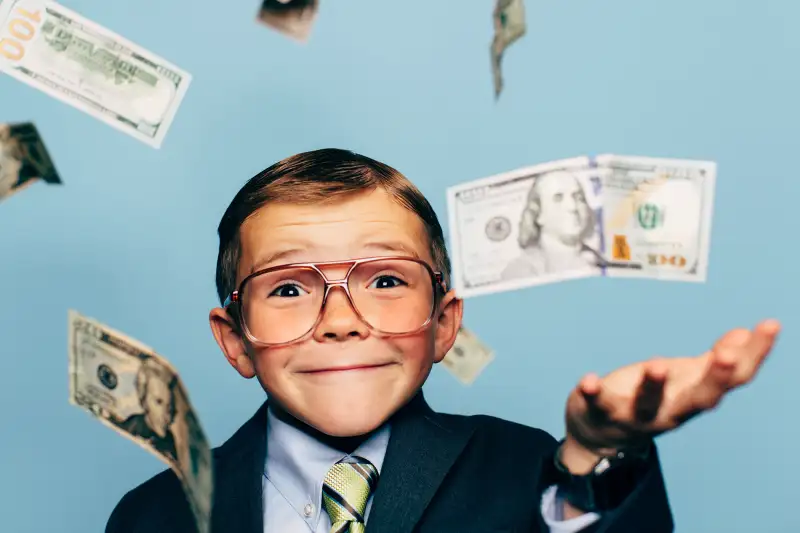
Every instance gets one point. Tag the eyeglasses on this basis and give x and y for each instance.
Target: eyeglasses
(283, 304)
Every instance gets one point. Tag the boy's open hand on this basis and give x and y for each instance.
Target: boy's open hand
(635, 403)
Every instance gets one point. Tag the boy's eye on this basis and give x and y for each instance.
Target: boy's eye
(288, 290)
(386, 282)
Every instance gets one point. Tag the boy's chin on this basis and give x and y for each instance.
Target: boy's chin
(346, 429)
(340, 421)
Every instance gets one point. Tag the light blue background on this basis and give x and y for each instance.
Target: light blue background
(130, 239)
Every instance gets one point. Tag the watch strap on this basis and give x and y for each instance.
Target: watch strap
(612, 479)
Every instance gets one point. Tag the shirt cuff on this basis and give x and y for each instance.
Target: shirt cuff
(552, 505)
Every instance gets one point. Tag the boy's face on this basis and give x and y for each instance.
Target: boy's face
(299, 376)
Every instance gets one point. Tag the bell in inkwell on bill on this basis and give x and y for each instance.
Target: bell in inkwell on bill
(658, 215)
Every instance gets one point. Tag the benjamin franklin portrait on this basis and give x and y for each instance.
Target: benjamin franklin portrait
(554, 228)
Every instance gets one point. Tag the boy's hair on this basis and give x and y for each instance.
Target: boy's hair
(316, 177)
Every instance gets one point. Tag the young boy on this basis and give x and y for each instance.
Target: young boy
(333, 274)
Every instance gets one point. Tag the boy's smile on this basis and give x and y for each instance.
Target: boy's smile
(343, 379)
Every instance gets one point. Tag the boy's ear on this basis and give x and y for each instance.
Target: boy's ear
(451, 310)
(230, 341)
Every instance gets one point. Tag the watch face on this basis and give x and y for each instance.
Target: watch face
(623, 457)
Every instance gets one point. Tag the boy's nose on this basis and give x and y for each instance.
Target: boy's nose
(339, 319)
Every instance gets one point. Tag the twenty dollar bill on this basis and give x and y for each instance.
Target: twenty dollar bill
(130, 388)
(615, 216)
(85, 65)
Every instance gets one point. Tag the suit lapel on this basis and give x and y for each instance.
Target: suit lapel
(239, 466)
(422, 448)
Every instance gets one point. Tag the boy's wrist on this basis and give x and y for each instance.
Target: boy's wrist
(579, 459)
(596, 480)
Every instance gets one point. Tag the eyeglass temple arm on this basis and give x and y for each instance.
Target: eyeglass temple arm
(229, 300)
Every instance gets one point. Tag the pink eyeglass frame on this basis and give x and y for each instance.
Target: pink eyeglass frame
(437, 280)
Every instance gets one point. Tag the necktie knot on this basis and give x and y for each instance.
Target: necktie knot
(345, 493)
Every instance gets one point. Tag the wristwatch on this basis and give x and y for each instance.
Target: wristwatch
(607, 485)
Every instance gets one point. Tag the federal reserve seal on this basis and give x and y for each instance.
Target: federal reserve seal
(498, 229)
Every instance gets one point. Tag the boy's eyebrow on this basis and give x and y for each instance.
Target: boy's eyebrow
(389, 246)
(264, 262)
(393, 246)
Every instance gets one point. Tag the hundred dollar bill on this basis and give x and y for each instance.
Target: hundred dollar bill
(509, 25)
(74, 60)
(293, 18)
(136, 392)
(23, 159)
(583, 217)
(468, 357)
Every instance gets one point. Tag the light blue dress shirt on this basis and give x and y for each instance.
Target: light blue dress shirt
(296, 466)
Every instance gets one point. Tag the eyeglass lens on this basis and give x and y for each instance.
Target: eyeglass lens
(393, 296)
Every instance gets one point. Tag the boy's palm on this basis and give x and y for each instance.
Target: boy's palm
(637, 402)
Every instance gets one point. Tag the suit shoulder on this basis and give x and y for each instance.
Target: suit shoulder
(141, 503)
(146, 503)
(507, 433)
(161, 500)
(507, 429)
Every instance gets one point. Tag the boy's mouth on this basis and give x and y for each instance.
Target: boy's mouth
(345, 368)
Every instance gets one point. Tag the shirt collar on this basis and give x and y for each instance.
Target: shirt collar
(297, 463)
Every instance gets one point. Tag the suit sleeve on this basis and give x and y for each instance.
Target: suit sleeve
(645, 509)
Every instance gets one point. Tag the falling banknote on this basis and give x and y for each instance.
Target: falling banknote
(509, 25)
(615, 216)
(293, 18)
(130, 388)
(23, 159)
(468, 357)
(83, 64)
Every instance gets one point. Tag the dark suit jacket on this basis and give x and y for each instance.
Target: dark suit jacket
(441, 474)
